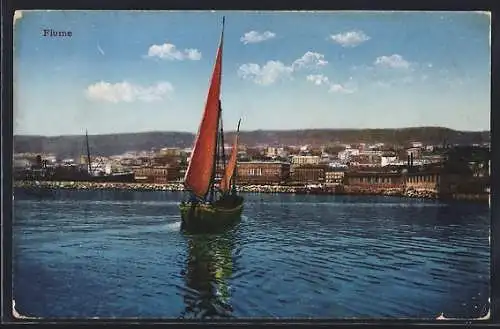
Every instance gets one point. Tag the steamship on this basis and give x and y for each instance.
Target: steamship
(90, 172)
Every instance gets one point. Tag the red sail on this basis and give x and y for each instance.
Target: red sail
(198, 176)
(225, 184)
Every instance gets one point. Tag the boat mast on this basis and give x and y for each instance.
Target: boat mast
(88, 151)
(216, 165)
(233, 179)
(219, 121)
(222, 139)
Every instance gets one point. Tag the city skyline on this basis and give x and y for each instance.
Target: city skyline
(348, 70)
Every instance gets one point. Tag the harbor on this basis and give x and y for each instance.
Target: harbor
(198, 170)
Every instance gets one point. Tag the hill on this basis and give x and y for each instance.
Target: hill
(72, 146)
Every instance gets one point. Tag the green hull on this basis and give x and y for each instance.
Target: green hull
(210, 216)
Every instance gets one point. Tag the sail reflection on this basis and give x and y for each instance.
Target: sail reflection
(209, 267)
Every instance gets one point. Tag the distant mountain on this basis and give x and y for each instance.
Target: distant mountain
(73, 146)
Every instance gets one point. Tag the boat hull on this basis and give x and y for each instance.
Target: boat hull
(210, 216)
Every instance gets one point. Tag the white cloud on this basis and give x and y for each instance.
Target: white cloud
(393, 61)
(338, 88)
(275, 70)
(322, 80)
(310, 59)
(317, 79)
(128, 92)
(193, 54)
(256, 37)
(350, 39)
(169, 51)
(265, 75)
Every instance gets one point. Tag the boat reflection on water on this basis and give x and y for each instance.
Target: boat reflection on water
(209, 267)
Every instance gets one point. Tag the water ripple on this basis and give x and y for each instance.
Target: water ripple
(121, 254)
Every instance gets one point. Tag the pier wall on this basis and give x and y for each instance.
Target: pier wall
(400, 191)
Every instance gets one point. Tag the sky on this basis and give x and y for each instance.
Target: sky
(135, 71)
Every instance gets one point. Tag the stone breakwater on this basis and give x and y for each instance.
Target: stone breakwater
(142, 186)
(356, 190)
(422, 194)
(98, 186)
(339, 190)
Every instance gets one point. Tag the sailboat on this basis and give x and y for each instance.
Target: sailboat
(211, 205)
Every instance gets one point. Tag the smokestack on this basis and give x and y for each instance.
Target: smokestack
(411, 159)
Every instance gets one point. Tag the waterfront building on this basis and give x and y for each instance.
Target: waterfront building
(423, 181)
(263, 172)
(308, 174)
(374, 179)
(443, 182)
(157, 174)
(334, 176)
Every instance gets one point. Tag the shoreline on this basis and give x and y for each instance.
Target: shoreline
(178, 187)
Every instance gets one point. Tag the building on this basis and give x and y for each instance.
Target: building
(308, 174)
(423, 181)
(157, 174)
(417, 144)
(273, 152)
(363, 160)
(347, 154)
(415, 151)
(387, 160)
(335, 176)
(444, 183)
(374, 179)
(306, 159)
(262, 172)
(165, 160)
(171, 151)
(254, 152)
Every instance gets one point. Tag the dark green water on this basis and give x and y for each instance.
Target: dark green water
(121, 254)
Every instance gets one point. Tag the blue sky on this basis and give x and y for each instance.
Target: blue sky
(131, 71)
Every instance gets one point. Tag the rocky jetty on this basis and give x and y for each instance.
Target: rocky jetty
(340, 190)
(420, 194)
(98, 186)
(141, 186)
(355, 190)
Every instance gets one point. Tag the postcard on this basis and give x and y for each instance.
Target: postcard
(250, 165)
